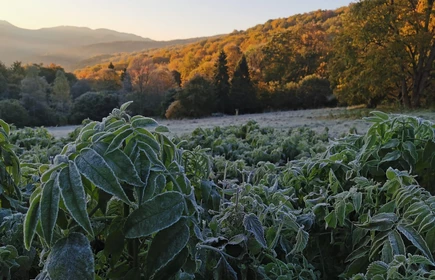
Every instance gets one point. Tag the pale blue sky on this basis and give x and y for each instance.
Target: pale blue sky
(157, 19)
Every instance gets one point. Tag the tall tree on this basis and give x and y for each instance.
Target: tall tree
(221, 83)
(242, 93)
(196, 97)
(61, 99)
(34, 90)
(387, 48)
(140, 69)
(127, 86)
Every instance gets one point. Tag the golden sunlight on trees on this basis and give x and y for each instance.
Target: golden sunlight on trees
(386, 50)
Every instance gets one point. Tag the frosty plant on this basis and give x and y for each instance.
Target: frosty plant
(121, 181)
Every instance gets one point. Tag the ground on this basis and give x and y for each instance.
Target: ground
(338, 121)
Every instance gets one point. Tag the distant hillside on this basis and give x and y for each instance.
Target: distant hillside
(308, 32)
(67, 45)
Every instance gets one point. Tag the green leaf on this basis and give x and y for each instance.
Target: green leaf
(410, 147)
(154, 215)
(143, 122)
(125, 105)
(301, 241)
(173, 267)
(397, 243)
(341, 212)
(71, 258)
(380, 115)
(71, 188)
(157, 165)
(162, 128)
(253, 224)
(391, 156)
(357, 201)
(123, 168)
(96, 170)
(119, 139)
(49, 209)
(166, 245)
(376, 268)
(331, 219)
(392, 143)
(30, 221)
(380, 222)
(387, 252)
(420, 260)
(412, 235)
(5, 126)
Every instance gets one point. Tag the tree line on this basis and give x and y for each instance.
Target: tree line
(372, 52)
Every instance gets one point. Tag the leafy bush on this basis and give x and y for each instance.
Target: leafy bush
(92, 105)
(13, 112)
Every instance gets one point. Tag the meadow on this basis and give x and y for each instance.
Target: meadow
(121, 198)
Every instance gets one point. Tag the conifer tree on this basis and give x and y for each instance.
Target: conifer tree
(221, 83)
(242, 93)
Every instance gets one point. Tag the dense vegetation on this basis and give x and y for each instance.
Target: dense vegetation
(372, 52)
(243, 202)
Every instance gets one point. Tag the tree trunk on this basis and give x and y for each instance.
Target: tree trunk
(405, 96)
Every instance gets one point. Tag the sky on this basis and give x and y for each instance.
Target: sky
(157, 19)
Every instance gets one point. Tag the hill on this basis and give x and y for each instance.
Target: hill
(67, 45)
(308, 34)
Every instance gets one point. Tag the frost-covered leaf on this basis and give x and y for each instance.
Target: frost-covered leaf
(123, 168)
(253, 224)
(416, 239)
(49, 209)
(143, 122)
(154, 215)
(30, 221)
(119, 139)
(397, 243)
(380, 222)
(166, 245)
(125, 105)
(71, 258)
(96, 170)
(376, 268)
(162, 128)
(331, 219)
(70, 184)
(391, 156)
(301, 241)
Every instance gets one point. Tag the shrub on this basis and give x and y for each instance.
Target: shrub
(175, 110)
(13, 112)
(93, 105)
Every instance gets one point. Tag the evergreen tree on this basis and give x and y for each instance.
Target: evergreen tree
(111, 66)
(221, 83)
(242, 93)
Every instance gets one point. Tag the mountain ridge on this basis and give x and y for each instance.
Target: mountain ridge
(67, 45)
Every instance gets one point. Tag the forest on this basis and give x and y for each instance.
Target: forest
(312, 60)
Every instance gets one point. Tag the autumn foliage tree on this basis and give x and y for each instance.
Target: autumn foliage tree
(386, 50)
